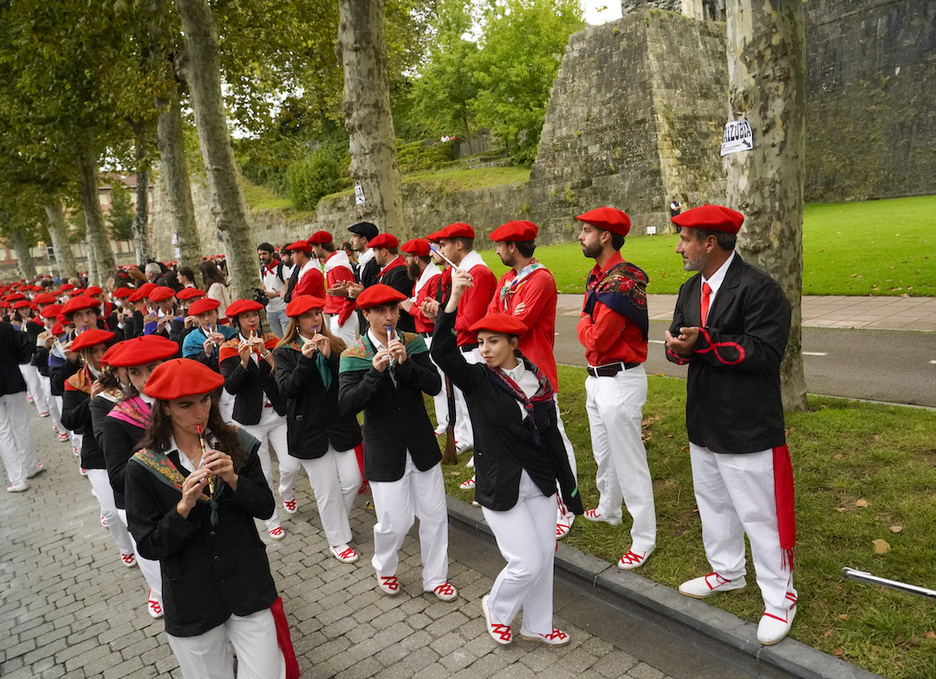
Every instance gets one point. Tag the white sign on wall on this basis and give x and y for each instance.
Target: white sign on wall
(358, 195)
(738, 136)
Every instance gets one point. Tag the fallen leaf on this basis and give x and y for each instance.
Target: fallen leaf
(841, 509)
(875, 649)
(861, 502)
(896, 529)
(837, 456)
(837, 587)
(829, 633)
(881, 547)
(842, 616)
(930, 635)
(838, 652)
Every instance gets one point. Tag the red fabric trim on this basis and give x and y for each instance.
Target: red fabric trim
(713, 346)
(285, 642)
(786, 515)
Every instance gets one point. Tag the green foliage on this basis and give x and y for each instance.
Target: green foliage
(522, 45)
(120, 216)
(314, 176)
(420, 157)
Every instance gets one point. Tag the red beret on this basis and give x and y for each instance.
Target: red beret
(417, 246)
(51, 311)
(93, 290)
(384, 240)
(299, 245)
(189, 293)
(22, 303)
(711, 217)
(121, 292)
(110, 353)
(607, 218)
(45, 298)
(303, 303)
(78, 303)
(57, 329)
(66, 287)
(90, 338)
(435, 236)
(181, 377)
(241, 306)
(379, 294)
(456, 230)
(203, 305)
(160, 293)
(146, 287)
(499, 322)
(514, 231)
(15, 297)
(319, 237)
(142, 351)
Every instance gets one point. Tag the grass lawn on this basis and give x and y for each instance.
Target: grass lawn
(864, 472)
(882, 247)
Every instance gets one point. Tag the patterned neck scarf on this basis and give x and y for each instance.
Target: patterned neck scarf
(512, 286)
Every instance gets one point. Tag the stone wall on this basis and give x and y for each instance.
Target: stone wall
(871, 119)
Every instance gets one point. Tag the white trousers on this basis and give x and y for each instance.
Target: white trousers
(208, 656)
(335, 479)
(420, 495)
(563, 514)
(16, 442)
(464, 435)
(55, 405)
(614, 406)
(271, 429)
(735, 494)
(149, 569)
(440, 400)
(526, 537)
(346, 331)
(102, 490)
(34, 386)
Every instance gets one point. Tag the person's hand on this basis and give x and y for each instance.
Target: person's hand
(161, 323)
(321, 343)
(461, 281)
(274, 294)
(192, 488)
(397, 350)
(381, 360)
(96, 388)
(49, 341)
(244, 349)
(354, 289)
(217, 338)
(190, 321)
(338, 289)
(682, 344)
(430, 308)
(221, 465)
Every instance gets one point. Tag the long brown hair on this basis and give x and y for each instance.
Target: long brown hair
(158, 434)
(292, 331)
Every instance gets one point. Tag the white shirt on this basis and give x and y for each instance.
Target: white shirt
(716, 280)
(272, 283)
(527, 382)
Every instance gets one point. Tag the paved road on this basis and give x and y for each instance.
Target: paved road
(898, 366)
(68, 608)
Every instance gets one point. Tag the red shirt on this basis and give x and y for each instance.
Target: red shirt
(532, 301)
(311, 283)
(474, 303)
(427, 291)
(338, 268)
(610, 338)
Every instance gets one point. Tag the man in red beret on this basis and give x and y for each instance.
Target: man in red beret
(306, 278)
(385, 374)
(393, 272)
(528, 292)
(339, 308)
(730, 327)
(456, 243)
(613, 330)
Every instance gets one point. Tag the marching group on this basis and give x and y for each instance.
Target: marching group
(173, 397)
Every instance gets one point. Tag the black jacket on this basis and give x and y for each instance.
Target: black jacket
(395, 418)
(733, 400)
(208, 572)
(119, 441)
(76, 417)
(504, 443)
(14, 349)
(312, 413)
(251, 386)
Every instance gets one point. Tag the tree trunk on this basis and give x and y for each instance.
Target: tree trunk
(61, 247)
(367, 114)
(175, 172)
(767, 87)
(20, 242)
(100, 256)
(141, 240)
(202, 69)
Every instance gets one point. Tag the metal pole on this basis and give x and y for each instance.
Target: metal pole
(861, 576)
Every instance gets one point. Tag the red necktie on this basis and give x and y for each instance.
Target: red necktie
(706, 295)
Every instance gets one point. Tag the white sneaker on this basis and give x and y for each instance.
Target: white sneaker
(469, 484)
(344, 553)
(37, 470)
(632, 559)
(445, 592)
(595, 515)
(555, 638)
(153, 607)
(773, 628)
(699, 588)
(19, 488)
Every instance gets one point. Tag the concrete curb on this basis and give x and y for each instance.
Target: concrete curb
(609, 582)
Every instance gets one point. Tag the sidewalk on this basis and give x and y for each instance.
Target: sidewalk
(878, 313)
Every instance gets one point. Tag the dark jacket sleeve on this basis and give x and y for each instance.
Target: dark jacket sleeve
(118, 445)
(356, 388)
(234, 373)
(417, 370)
(158, 533)
(445, 353)
(253, 494)
(63, 372)
(76, 412)
(293, 371)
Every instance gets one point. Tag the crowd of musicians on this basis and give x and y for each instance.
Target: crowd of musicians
(174, 399)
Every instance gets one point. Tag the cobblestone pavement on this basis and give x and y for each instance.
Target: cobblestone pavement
(70, 608)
